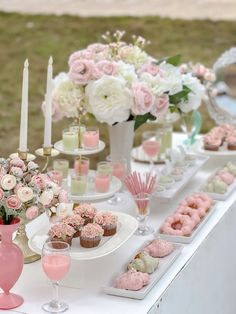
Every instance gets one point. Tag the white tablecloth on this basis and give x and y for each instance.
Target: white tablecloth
(82, 290)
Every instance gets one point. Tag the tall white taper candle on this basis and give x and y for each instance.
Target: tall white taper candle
(48, 111)
(24, 109)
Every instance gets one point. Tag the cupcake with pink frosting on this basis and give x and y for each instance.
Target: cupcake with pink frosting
(231, 142)
(107, 221)
(62, 232)
(75, 221)
(91, 235)
(86, 211)
(132, 280)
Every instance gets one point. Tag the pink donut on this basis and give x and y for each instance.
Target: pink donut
(196, 203)
(193, 214)
(177, 224)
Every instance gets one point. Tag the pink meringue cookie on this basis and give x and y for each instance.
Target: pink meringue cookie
(226, 177)
(132, 280)
(159, 248)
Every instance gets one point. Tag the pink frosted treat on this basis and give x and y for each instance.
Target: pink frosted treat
(86, 211)
(205, 200)
(132, 280)
(107, 221)
(226, 177)
(75, 221)
(212, 142)
(193, 214)
(61, 232)
(159, 248)
(178, 225)
(91, 235)
(195, 203)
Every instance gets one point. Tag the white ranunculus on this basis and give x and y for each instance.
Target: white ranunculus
(196, 94)
(109, 99)
(127, 72)
(169, 79)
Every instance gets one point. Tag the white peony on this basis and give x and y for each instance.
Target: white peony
(109, 99)
(127, 72)
(169, 79)
(195, 96)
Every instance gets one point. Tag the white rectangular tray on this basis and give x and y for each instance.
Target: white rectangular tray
(221, 197)
(179, 185)
(164, 264)
(188, 239)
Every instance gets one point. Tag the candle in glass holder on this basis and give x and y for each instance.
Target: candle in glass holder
(56, 176)
(79, 131)
(91, 138)
(78, 185)
(69, 140)
(104, 168)
(119, 169)
(102, 183)
(61, 165)
(81, 165)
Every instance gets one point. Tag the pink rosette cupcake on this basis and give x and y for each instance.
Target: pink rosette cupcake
(91, 235)
(86, 211)
(62, 232)
(75, 221)
(231, 142)
(107, 221)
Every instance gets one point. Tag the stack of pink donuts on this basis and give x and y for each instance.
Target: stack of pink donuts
(188, 215)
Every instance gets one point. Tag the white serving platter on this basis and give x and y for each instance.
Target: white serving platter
(221, 197)
(91, 195)
(164, 264)
(198, 147)
(127, 225)
(179, 185)
(188, 239)
(139, 155)
(79, 151)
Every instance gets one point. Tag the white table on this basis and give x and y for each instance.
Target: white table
(202, 280)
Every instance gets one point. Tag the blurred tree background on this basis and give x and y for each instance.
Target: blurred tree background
(36, 37)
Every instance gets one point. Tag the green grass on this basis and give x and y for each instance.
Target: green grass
(38, 37)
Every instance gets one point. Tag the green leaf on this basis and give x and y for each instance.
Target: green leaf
(175, 60)
(178, 97)
(141, 119)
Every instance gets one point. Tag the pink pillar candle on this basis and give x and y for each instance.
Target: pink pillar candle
(91, 138)
(81, 166)
(102, 183)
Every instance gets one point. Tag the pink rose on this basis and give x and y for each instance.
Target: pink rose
(199, 70)
(209, 76)
(39, 181)
(150, 68)
(17, 172)
(161, 105)
(107, 67)
(79, 55)
(17, 162)
(13, 202)
(63, 196)
(183, 68)
(32, 212)
(82, 71)
(143, 99)
(1, 194)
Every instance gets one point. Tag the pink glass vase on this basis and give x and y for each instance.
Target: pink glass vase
(11, 264)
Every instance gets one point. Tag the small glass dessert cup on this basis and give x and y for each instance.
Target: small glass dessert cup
(119, 170)
(142, 205)
(69, 140)
(61, 165)
(191, 159)
(151, 145)
(81, 166)
(166, 181)
(177, 174)
(158, 190)
(91, 138)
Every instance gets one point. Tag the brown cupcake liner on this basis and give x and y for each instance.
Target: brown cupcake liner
(89, 242)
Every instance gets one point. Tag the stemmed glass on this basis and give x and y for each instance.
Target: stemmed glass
(119, 170)
(151, 145)
(55, 263)
(142, 205)
(190, 124)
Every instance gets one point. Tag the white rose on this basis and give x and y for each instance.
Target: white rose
(46, 197)
(25, 194)
(109, 98)
(127, 71)
(150, 80)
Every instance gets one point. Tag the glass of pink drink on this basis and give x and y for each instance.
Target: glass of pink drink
(151, 145)
(119, 170)
(56, 264)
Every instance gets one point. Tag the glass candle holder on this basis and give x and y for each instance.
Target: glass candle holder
(91, 138)
(102, 182)
(56, 176)
(69, 140)
(81, 166)
(61, 165)
(104, 168)
(79, 129)
(78, 184)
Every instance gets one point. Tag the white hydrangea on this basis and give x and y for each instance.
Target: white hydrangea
(109, 99)
(127, 72)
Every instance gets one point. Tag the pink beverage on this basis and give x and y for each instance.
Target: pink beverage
(56, 266)
(81, 167)
(102, 183)
(151, 148)
(119, 170)
(56, 176)
(91, 138)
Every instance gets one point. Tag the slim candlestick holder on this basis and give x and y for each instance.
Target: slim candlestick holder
(47, 152)
(24, 155)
